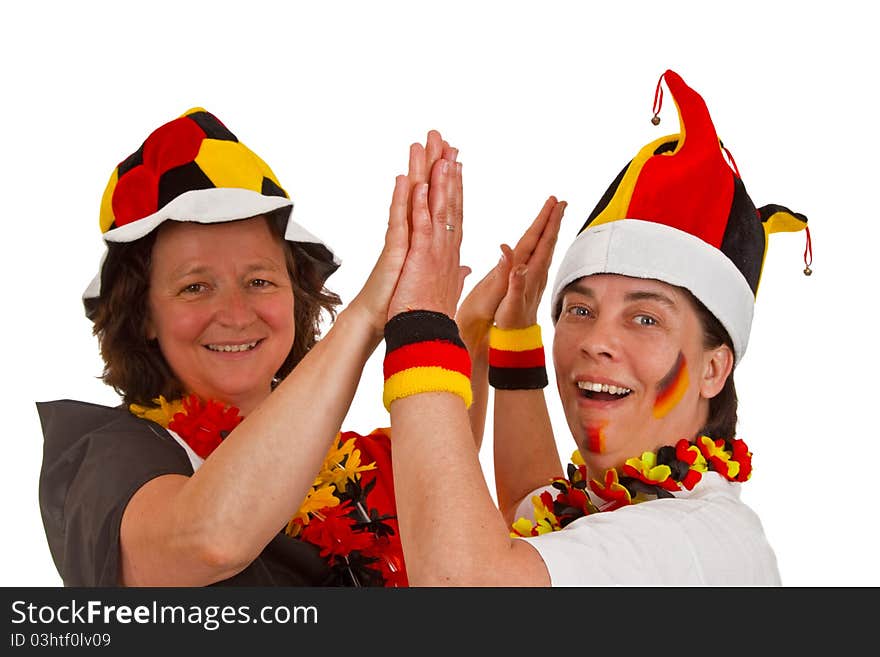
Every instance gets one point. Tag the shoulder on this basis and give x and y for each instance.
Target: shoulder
(94, 459)
(71, 426)
(85, 442)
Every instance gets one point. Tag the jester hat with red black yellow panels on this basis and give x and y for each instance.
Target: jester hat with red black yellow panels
(678, 212)
(194, 169)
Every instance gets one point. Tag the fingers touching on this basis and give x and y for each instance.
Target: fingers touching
(542, 231)
(542, 253)
(530, 264)
(423, 158)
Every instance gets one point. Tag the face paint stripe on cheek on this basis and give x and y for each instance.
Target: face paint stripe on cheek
(671, 388)
(596, 439)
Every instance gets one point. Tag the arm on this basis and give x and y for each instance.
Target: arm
(526, 456)
(474, 318)
(435, 458)
(190, 531)
(525, 452)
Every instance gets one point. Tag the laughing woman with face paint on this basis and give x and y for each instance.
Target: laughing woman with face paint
(225, 463)
(652, 307)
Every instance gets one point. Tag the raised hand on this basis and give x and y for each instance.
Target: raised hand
(528, 271)
(509, 294)
(432, 278)
(525, 452)
(374, 297)
(376, 293)
(476, 313)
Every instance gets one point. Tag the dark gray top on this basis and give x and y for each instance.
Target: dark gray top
(94, 459)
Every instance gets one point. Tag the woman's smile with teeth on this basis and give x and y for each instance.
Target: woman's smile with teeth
(247, 346)
(589, 386)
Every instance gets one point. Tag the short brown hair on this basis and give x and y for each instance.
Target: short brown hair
(722, 407)
(134, 366)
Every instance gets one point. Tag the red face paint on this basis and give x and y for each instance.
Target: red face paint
(671, 388)
(595, 439)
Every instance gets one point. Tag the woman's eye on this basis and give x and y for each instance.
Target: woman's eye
(260, 282)
(194, 288)
(578, 311)
(645, 320)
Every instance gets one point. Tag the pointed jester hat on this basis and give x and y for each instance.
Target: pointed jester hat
(679, 213)
(194, 169)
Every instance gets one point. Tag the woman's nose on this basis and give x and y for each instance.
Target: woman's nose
(600, 339)
(234, 308)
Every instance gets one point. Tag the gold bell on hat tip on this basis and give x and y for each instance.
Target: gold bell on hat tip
(808, 253)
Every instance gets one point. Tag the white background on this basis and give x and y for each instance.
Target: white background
(540, 101)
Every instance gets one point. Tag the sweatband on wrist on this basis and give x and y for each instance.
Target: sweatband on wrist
(424, 353)
(516, 359)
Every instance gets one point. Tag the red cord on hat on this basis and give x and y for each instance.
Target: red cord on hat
(808, 254)
(658, 101)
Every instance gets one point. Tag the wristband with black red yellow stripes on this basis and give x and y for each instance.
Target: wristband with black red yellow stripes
(424, 353)
(516, 359)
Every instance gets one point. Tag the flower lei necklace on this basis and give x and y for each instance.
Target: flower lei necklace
(345, 514)
(653, 475)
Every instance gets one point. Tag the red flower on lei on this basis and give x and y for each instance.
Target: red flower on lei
(204, 425)
(334, 533)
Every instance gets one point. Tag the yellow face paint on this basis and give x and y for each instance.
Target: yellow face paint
(671, 388)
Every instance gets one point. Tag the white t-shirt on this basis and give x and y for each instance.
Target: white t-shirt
(706, 536)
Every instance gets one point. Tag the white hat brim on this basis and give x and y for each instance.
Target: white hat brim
(645, 249)
(209, 206)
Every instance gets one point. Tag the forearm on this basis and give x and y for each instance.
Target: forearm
(258, 477)
(525, 452)
(450, 529)
(480, 389)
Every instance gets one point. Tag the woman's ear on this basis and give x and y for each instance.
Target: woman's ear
(717, 366)
(149, 329)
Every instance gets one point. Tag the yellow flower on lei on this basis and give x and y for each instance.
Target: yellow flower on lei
(545, 519)
(647, 467)
(162, 415)
(343, 462)
(317, 499)
(522, 527)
